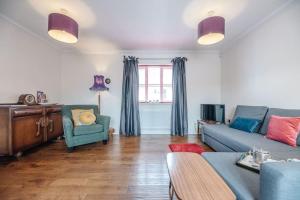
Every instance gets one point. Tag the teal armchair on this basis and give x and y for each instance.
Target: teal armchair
(80, 135)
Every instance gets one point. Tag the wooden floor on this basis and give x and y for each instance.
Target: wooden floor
(125, 168)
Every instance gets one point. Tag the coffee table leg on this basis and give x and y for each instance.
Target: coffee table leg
(171, 190)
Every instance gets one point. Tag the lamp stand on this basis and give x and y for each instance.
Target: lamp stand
(99, 101)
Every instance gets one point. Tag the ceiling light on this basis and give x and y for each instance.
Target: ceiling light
(62, 28)
(211, 30)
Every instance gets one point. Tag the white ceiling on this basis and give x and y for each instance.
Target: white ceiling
(108, 25)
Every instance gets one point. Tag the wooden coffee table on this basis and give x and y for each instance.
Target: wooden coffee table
(192, 178)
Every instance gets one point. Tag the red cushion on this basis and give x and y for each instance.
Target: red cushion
(195, 148)
(284, 129)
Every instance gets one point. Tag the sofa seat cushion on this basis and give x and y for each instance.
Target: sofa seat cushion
(244, 183)
(241, 141)
(88, 129)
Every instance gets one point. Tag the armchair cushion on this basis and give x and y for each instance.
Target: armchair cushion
(76, 115)
(87, 118)
(88, 129)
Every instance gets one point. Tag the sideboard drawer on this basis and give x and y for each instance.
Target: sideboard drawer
(53, 109)
(26, 112)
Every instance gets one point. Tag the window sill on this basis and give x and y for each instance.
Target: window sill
(155, 103)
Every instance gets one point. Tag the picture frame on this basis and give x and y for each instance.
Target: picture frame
(39, 96)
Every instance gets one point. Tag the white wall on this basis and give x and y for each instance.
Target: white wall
(203, 84)
(263, 68)
(27, 64)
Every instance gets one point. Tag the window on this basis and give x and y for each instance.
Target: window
(155, 83)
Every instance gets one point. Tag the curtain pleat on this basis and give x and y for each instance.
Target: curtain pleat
(130, 115)
(179, 118)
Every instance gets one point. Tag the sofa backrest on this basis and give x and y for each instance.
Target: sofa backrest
(66, 109)
(282, 113)
(253, 112)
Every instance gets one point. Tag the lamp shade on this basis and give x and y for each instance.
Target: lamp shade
(211, 30)
(99, 84)
(62, 28)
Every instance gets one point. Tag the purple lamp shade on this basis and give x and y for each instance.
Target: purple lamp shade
(211, 30)
(99, 84)
(62, 28)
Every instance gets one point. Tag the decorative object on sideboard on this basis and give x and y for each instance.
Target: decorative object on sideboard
(27, 99)
(211, 30)
(41, 97)
(99, 86)
(62, 28)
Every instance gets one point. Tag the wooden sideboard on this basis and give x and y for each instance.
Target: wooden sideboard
(23, 127)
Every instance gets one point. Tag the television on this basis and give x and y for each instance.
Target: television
(213, 113)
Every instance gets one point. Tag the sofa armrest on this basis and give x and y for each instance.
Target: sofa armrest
(104, 120)
(68, 128)
(280, 181)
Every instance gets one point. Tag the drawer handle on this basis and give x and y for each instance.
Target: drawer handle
(38, 123)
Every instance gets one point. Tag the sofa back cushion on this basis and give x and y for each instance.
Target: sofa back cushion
(284, 129)
(282, 113)
(251, 112)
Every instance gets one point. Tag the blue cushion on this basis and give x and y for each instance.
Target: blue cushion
(245, 124)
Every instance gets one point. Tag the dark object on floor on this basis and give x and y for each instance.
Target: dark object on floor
(70, 149)
(187, 147)
(104, 141)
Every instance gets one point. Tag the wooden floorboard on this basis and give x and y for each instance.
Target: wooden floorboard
(126, 168)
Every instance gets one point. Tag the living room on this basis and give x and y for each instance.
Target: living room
(116, 62)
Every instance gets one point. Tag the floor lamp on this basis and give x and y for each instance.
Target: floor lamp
(98, 86)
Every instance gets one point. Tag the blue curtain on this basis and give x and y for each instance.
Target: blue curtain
(130, 115)
(179, 118)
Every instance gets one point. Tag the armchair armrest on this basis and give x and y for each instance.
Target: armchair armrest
(103, 120)
(280, 181)
(68, 128)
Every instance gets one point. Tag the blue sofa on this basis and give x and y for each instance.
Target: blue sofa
(276, 181)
